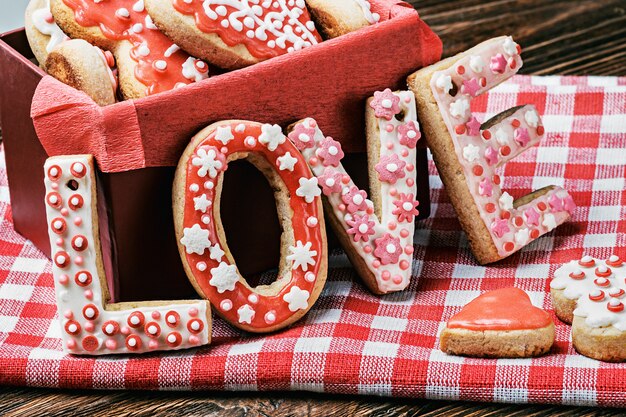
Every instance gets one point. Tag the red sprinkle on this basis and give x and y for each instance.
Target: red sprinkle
(460, 70)
(505, 150)
(486, 134)
(490, 207)
(477, 170)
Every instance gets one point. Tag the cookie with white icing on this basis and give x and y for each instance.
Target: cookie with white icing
(377, 233)
(467, 152)
(42, 32)
(499, 324)
(90, 324)
(338, 17)
(205, 254)
(85, 67)
(234, 34)
(591, 294)
(147, 60)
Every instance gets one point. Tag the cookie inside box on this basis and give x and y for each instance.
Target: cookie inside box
(137, 143)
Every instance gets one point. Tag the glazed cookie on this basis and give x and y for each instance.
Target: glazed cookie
(90, 325)
(42, 32)
(499, 324)
(202, 242)
(467, 152)
(338, 17)
(148, 62)
(590, 294)
(376, 234)
(85, 67)
(235, 33)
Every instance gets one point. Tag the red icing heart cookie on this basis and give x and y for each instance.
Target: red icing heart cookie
(501, 323)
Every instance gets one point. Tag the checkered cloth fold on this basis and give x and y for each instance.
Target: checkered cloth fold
(352, 342)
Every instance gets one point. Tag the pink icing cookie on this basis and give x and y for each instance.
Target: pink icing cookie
(377, 234)
(467, 152)
(90, 325)
(204, 251)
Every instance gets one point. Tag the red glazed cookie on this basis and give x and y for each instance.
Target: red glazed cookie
(90, 325)
(338, 17)
(147, 60)
(467, 152)
(591, 295)
(499, 324)
(376, 234)
(235, 33)
(202, 242)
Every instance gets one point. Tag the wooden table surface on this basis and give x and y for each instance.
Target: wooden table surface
(558, 37)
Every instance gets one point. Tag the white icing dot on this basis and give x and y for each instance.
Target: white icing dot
(122, 12)
(304, 137)
(253, 298)
(240, 128)
(134, 320)
(54, 172)
(72, 328)
(614, 302)
(194, 188)
(171, 319)
(54, 199)
(333, 150)
(171, 338)
(309, 276)
(160, 64)
(614, 258)
(312, 221)
(330, 182)
(195, 325)
(152, 329)
(201, 266)
(109, 328)
(411, 134)
(595, 293)
(407, 206)
(387, 103)
(587, 259)
(75, 201)
(58, 224)
(79, 241)
(357, 199)
(226, 305)
(615, 291)
(391, 248)
(89, 312)
(82, 277)
(392, 167)
(132, 342)
(602, 269)
(363, 228)
(270, 317)
(137, 28)
(61, 259)
(79, 168)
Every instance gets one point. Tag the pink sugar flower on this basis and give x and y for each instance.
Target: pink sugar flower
(302, 136)
(385, 104)
(409, 134)
(330, 152)
(330, 181)
(355, 200)
(390, 168)
(500, 227)
(361, 227)
(388, 249)
(406, 207)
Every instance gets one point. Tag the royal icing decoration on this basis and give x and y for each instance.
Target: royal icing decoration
(483, 147)
(91, 326)
(366, 7)
(502, 310)
(45, 24)
(381, 236)
(161, 65)
(598, 287)
(204, 249)
(266, 28)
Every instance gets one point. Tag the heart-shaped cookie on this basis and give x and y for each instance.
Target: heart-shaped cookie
(501, 323)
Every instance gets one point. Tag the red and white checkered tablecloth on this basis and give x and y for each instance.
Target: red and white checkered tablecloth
(355, 343)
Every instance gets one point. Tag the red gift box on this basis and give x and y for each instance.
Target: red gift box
(137, 143)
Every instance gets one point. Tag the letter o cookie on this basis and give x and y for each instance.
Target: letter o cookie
(201, 240)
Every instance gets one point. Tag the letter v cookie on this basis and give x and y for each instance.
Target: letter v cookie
(90, 325)
(467, 152)
(376, 234)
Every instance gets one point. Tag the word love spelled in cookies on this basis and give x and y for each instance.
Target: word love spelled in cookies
(90, 325)
(467, 152)
(499, 324)
(202, 242)
(235, 33)
(148, 61)
(376, 234)
(590, 294)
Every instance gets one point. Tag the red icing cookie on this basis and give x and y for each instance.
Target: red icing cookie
(501, 324)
